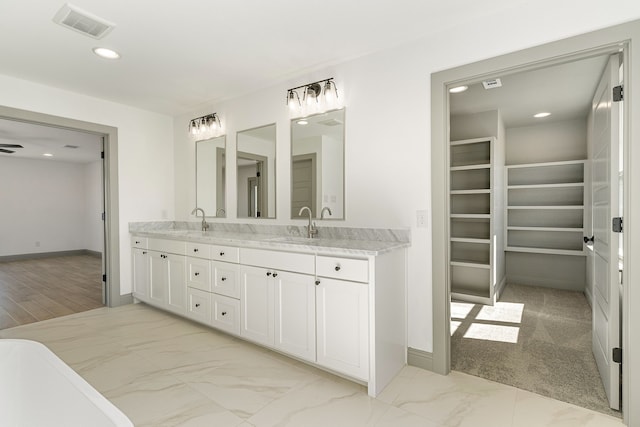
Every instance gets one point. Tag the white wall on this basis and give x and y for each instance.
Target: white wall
(145, 152)
(547, 142)
(387, 145)
(43, 206)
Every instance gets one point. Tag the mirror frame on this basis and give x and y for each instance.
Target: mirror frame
(267, 182)
(305, 156)
(220, 184)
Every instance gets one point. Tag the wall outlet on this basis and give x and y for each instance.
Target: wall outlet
(421, 219)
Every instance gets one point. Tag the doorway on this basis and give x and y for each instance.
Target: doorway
(110, 219)
(604, 42)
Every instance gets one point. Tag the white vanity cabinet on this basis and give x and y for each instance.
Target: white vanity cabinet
(140, 265)
(213, 290)
(342, 310)
(278, 300)
(167, 275)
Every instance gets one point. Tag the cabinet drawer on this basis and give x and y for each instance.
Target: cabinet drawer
(226, 313)
(199, 250)
(199, 305)
(169, 246)
(287, 261)
(139, 242)
(226, 279)
(356, 270)
(224, 253)
(199, 273)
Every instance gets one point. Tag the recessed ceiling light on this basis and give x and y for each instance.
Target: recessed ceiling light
(103, 52)
(302, 122)
(541, 115)
(458, 89)
(48, 155)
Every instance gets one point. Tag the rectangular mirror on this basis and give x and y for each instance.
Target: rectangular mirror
(317, 165)
(256, 163)
(211, 176)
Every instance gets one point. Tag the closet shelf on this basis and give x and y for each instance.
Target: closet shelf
(475, 191)
(469, 295)
(546, 164)
(470, 263)
(548, 207)
(556, 185)
(559, 229)
(545, 251)
(470, 167)
(470, 215)
(470, 240)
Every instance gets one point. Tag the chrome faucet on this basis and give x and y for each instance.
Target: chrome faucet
(205, 226)
(311, 228)
(325, 209)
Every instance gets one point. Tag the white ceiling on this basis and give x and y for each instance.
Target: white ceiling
(564, 90)
(179, 55)
(37, 140)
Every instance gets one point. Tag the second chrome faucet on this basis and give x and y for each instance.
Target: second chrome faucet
(311, 228)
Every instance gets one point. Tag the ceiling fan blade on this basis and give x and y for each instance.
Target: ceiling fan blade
(11, 146)
(2, 150)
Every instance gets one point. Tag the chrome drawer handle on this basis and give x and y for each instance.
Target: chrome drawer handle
(337, 268)
(221, 253)
(195, 250)
(196, 274)
(223, 279)
(224, 313)
(197, 305)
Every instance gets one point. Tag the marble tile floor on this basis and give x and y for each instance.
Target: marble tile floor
(162, 370)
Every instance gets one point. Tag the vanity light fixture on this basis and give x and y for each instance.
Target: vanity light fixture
(541, 115)
(317, 97)
(205, 127)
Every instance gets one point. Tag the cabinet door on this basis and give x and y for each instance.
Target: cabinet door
(157, 278)
(342, 327)
(295, 314)
(141, 274)
(257, 305)
(226, 279)
(176, 283)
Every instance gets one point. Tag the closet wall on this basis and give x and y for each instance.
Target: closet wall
(545, 215)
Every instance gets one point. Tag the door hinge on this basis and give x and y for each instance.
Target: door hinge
(103, 215)
(102, 154)
(104, 277)
(618, 93)
(257, 174)
(617, 355)
(617, 224)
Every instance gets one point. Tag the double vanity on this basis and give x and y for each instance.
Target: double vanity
(339, 304)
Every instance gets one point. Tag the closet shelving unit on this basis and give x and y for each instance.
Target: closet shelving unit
(545, 208)
(471, 220)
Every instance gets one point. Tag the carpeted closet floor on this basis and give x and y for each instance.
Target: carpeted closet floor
(536, 339)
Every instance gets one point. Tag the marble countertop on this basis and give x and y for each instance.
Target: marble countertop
(278, 242)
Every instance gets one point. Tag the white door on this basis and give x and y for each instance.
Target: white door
(606, 303)
(176, 283)
(257, 305)
(342, 310)
(158, 278)
(295, 314)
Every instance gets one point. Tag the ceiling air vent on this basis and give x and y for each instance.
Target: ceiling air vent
(83, 22)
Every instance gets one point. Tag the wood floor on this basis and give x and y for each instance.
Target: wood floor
(40, 289)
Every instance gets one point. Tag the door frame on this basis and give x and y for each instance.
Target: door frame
(609, 40)
(110, 189)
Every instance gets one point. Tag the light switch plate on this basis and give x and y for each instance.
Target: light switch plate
(421, 219)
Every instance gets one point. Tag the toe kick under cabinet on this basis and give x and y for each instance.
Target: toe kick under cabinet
(346, 314)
